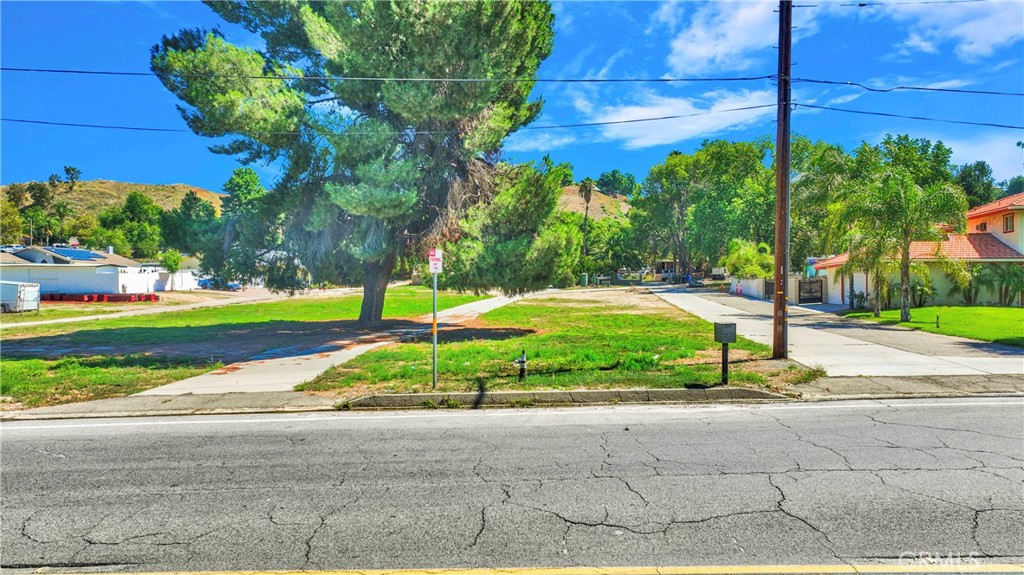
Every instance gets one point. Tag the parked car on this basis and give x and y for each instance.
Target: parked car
(218, 284)
(695, 282)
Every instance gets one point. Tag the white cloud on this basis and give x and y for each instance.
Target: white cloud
(1002, 65)
(976, 29)
(655, 133)
(733, 35)
(603, 72)
(999, 150)
(536, 141)
(667, 15)
(844, 99)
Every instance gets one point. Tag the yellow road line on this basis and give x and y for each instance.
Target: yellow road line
(989, 568)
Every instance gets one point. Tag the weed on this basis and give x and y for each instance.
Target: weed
(430, 404)
(451, 403)
(523, 403)
(343, 406)
(807, 375)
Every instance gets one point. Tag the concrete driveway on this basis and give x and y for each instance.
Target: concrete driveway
(845, 347)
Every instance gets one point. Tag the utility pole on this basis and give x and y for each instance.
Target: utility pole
(780, 331)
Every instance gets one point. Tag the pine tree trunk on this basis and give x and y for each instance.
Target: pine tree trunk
(905, 283)
(376, 276)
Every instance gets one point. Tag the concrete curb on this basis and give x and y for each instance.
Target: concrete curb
(553, 398)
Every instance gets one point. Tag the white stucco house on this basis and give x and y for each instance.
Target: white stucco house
(81, 271)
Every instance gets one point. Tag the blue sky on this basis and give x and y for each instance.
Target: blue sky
(972, 45)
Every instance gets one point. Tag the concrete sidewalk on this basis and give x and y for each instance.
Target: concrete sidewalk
(281, 369)
(845, 348)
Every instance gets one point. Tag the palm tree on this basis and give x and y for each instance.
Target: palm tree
(586, 190)
(893, 205)
(968, 278)
(1009, 281)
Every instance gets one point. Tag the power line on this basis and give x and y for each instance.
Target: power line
(923, 118)
(408, 132)
(388, 79)
(866, 4)
(914, 88)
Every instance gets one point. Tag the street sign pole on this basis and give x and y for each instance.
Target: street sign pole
(436, 262)
(435, 333)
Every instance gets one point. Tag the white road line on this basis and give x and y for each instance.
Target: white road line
(353, 417)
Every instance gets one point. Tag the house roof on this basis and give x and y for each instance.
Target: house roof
(1014, 202)
(9, 258)
(71, 256)
(980, 246)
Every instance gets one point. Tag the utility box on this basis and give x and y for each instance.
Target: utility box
(725, 332)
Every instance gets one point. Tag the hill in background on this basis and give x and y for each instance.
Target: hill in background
(94, 196)
(601, 205)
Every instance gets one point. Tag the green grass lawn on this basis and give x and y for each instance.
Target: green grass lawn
(401, 302)
(569, 344)
(1003, 325)
(35, 382)
(53, 312)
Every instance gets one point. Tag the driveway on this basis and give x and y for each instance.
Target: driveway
(845, 347)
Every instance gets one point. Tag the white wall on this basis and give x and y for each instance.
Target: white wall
(837, 289)
(753, 288)
(74, 279)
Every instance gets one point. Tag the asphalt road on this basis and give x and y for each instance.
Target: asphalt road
(826, 483)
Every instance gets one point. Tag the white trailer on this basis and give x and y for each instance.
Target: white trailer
(18, 297)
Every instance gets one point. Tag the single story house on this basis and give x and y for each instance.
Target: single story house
(81, 271)
(995, 235)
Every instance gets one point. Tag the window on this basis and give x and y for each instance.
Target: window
(982, 227)
(1007, 223)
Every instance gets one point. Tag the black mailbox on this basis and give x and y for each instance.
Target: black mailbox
(725, 332)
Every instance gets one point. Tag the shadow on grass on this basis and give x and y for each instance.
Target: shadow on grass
(230, 343)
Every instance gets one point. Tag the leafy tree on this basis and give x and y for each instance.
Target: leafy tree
(101, 238)
(137, 223)
(1014, 185)
(11, 224)
(71, 176)
(36, 221)
(371, 169)
(745, 259)
(82, 227)
(188, 226)
(170, 261)
(500, 243)
(18, 195)
(616, 182)
(61, 212)
(242, 244)
(41, 194)
(977, 182)
(968, 278)
(661, 205)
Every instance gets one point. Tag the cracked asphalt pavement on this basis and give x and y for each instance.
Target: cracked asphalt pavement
(828, 483)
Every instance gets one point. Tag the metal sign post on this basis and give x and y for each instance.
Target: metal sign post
(436, 260)
(725, 333)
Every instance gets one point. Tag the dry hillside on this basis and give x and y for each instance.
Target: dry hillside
(93, 196)
(601, 205)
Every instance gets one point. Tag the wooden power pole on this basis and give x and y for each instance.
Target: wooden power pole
(780, 332)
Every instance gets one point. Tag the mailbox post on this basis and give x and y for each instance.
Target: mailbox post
(725, 333)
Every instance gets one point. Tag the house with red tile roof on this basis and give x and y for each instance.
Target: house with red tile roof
(995, 235)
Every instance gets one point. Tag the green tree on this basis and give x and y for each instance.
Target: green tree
(188, 227)
(517, 241)
(40, 193)
(103, 238)
(1008, 280)
(371, 169)
(661, 206)
(11, 224)
(1014, 185)
(61, 212)
(170, 261)
(894, 206)
(616, 182)
(977, 182)
(71, 176)
(18, 195)
(745, 259)
(82, 227)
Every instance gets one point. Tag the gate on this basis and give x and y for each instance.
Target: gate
(810, 291)
(769, 290)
